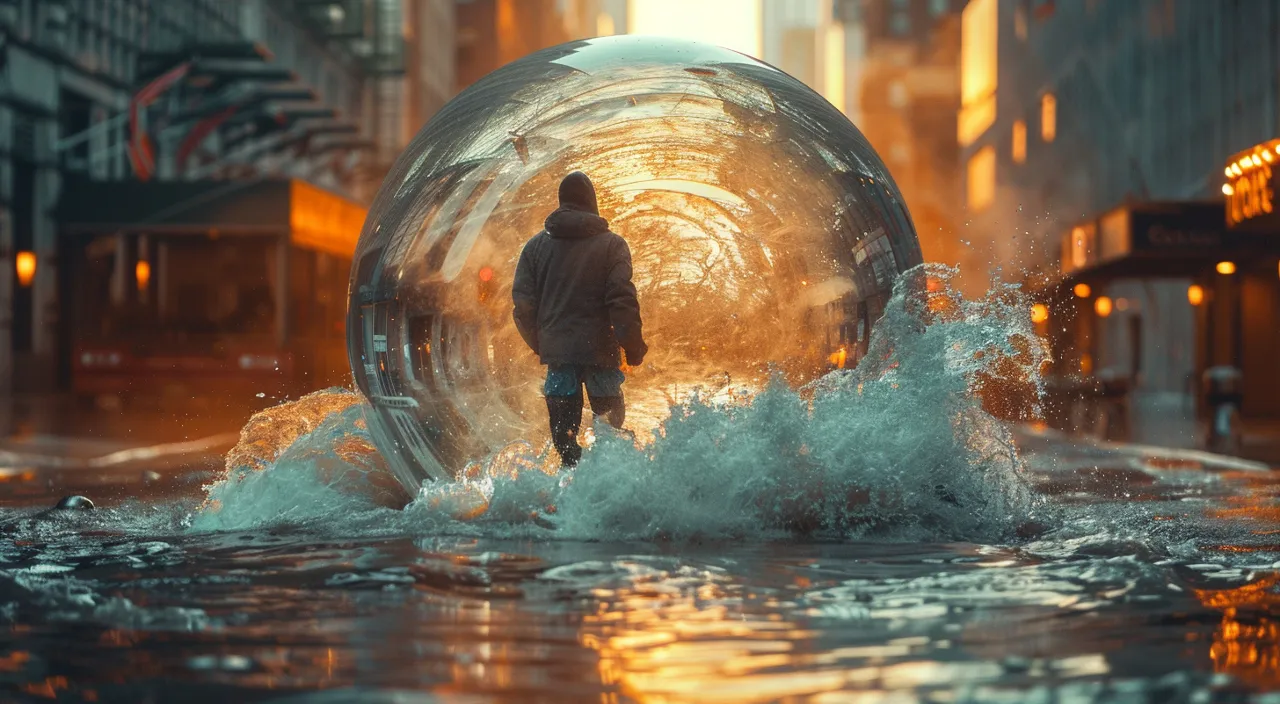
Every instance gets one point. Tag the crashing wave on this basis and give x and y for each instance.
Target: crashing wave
(912, 443)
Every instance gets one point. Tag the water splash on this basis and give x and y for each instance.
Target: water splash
(299, 462)
(908, 445)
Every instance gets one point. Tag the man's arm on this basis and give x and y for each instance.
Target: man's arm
(525, 295)
(624, 307)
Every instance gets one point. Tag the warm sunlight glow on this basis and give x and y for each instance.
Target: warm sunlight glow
(25, 266)
(733, 24)
(979, 29)
(833, 83)
(604, 25)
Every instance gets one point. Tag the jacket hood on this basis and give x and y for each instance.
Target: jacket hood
(578, 193)
(568, 223)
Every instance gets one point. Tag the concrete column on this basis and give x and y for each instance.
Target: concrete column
(6, 254)
(44, 240)
(117, 162)
(119, 279)
(99, 144)
(282, 290)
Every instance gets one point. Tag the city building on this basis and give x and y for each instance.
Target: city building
(181, 182)
(807, 39)
(493, 33)
(1098, 140)
(905, 99)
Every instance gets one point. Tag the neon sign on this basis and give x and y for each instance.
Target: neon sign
(1249, 189)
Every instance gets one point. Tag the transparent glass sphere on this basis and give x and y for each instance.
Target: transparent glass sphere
(765, 234)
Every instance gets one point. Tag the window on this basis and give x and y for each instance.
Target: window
(978, 70)
(1048, 117)
(1019, 142)
(982, 179)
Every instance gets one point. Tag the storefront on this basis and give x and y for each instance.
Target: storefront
(183, 288)
(1150, 295)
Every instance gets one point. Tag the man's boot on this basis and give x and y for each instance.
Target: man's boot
(565, 413)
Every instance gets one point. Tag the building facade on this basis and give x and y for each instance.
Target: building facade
(907, 95)
(1097, 142)
(105, 98)
(807, 39)
(493, 33)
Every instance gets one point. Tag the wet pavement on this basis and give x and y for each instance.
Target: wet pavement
(1154, 576)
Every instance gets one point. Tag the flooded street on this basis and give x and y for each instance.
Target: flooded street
(1153, 576)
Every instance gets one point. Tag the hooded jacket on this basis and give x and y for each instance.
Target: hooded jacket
(574, 300)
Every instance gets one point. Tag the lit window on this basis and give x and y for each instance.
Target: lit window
(982, 179)
(1019, 142)
(1048, 117)
(979, 27)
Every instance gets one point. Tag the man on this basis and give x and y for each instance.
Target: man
(575, 306)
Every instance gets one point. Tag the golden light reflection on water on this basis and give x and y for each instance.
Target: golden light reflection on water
(659, 644)
(1247, 642)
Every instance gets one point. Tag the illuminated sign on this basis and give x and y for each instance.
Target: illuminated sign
(323, 221)
(1144, 230)
(1248, 188)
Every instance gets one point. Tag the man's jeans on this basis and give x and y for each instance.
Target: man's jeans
(563, 389)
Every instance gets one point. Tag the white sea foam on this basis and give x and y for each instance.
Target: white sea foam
(899, 447)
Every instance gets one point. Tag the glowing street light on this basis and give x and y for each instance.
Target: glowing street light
(25, 267)
(1082, 290)
(142, 274)
(1039, 313)
(1226, 268)
(1102, 306)
(1195, 294)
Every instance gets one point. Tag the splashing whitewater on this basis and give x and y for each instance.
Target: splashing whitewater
(912, 444)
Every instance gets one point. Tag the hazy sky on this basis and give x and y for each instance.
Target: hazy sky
(734, 24)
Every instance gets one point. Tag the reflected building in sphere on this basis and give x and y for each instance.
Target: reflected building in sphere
(766, 236)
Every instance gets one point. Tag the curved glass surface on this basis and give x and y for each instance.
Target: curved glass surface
(765, 233)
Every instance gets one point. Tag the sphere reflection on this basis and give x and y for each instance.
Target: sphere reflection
(765, 235)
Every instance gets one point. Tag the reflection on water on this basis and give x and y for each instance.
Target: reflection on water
(1247, 643)
(1153, 579)
(284, 612)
